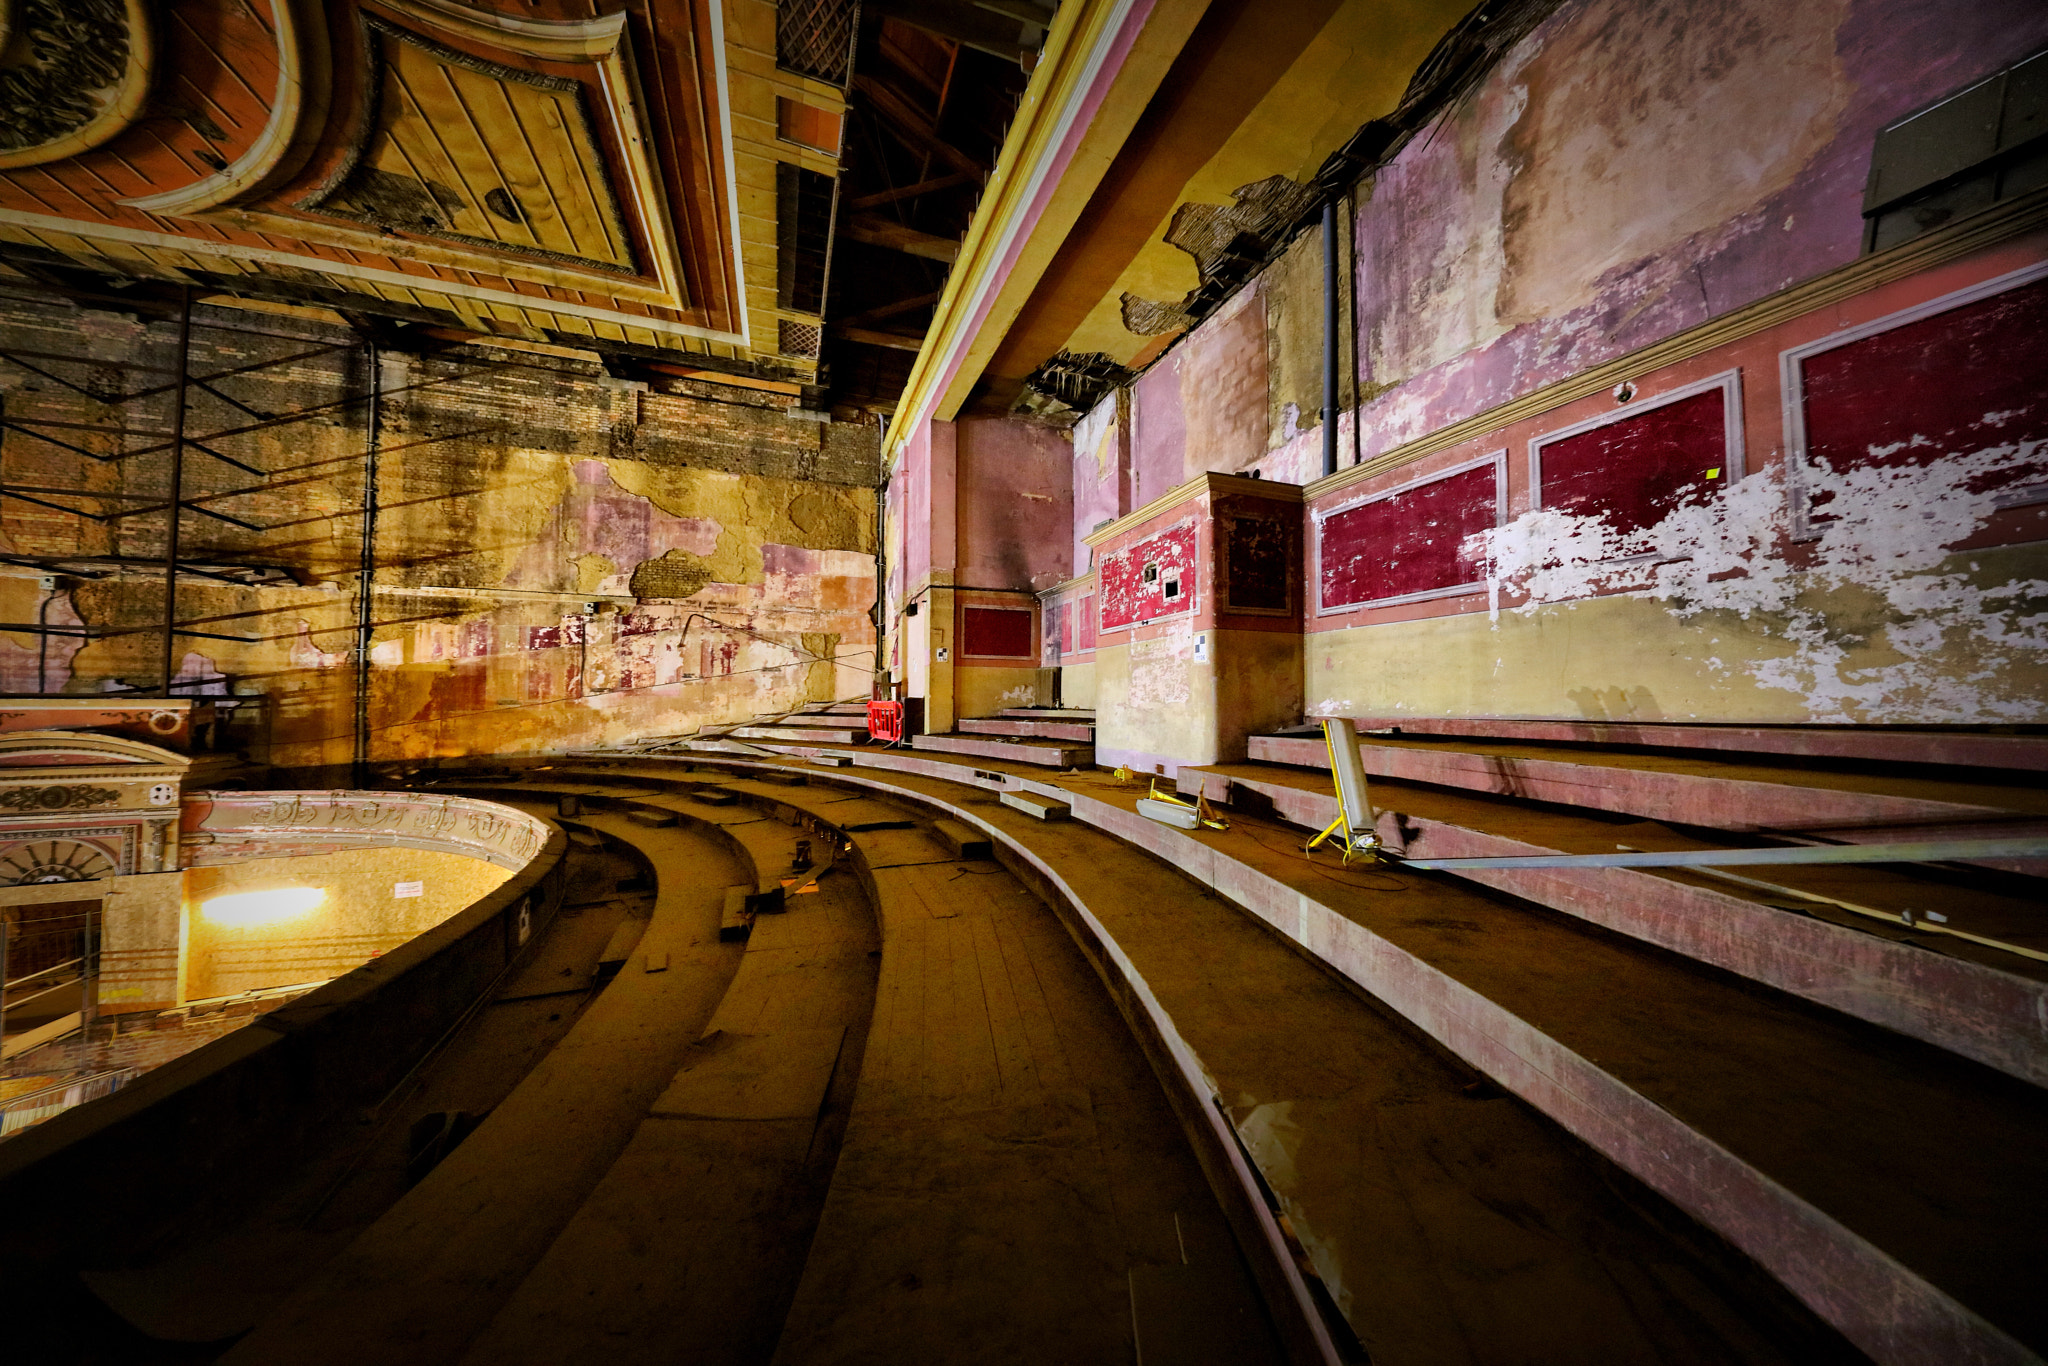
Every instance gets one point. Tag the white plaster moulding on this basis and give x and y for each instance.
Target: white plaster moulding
(1497, 459)
(1729, 382)
(1792, 385)
(162, 241)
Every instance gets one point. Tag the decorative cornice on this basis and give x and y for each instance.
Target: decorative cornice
(1073, 585)
(129, 92)
(1211, 484)
(1995, 225)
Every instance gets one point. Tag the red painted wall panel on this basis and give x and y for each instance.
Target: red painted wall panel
(1635, 470)
(1002, 632)
(1086, 633)
(1958, 382)
(1412, 542)
(1128, 597)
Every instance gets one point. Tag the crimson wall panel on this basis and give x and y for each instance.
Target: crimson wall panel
(1130, 594)
(1086, 632)
(1964, 380)
(1410, 542)
(1000, 632)
(1634, 470)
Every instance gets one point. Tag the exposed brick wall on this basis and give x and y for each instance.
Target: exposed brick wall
(530, 485)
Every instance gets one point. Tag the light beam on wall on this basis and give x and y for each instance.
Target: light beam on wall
(246, 910)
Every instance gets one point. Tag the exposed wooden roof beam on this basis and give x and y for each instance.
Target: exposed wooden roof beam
(912, 125)
(922, 187)
(894, 340)
(880, 232)
(897, 309)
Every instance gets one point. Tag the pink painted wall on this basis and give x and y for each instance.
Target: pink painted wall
(1632, 171)
(1015, 503)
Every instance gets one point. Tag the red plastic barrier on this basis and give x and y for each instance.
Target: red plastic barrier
(885, 720)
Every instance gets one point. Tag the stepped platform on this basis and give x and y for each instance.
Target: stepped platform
(1920, 979)
(1338, 1103)
(1713, 793)
(1049, 713)
(1709, 1089)
(816, 734)
(1042, 754)
(1040, 730)
(1888, 745)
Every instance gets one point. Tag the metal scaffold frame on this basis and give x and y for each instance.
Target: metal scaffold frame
(181, 387)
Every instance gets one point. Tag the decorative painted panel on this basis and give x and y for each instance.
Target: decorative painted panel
(997, 632)
(1630, 468)
(1153, 579)
(1964, 377)
(1410, 543)
(1258, 556)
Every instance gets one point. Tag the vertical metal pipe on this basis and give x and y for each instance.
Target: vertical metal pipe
(1330, 398)
(366, 576)
(177, 503)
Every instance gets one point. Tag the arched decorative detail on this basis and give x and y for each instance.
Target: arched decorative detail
(86, 76)
(296, 108)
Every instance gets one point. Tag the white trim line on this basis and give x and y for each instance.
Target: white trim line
(71, 227)
(1497, 460)
(1792, 385)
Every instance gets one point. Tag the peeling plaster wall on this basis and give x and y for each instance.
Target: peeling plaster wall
(726, 546)
(1632, 170)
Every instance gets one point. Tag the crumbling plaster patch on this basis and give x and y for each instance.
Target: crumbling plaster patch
(1643, 125)
(1878, 620)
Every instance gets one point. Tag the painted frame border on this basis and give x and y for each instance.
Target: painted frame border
(1792, 386)
(1497, 459)
(1734, 456)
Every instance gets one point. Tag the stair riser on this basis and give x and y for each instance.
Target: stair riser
(1049, 756)
(1041, 730)
(1679, 798)
(1952, 1003)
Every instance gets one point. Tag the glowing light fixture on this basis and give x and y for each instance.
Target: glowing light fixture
(246, 910)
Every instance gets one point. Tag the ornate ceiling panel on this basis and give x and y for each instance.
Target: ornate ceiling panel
(513, 168)
(486, 155)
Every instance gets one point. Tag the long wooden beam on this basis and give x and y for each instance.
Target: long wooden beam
(879, 232)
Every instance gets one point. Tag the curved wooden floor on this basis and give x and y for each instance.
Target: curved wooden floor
(898, 1124)
(1443, 1220)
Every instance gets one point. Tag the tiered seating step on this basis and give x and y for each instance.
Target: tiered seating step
(1955, 748)
(1722, 794)
(1051, 755)
(1958, 994)
(1050, 713)
(1043, 730)
(816, 735)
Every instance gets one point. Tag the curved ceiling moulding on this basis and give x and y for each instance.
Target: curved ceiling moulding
(301, 92)
(88, 51)
(604, 42)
